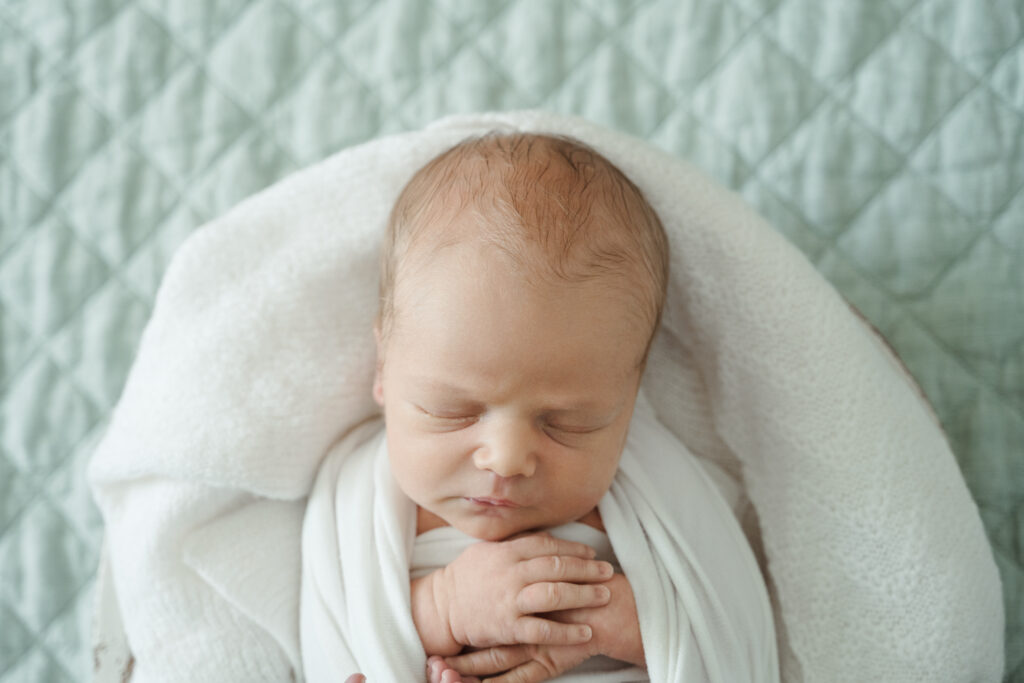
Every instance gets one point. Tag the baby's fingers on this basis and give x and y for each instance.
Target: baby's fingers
(438, 671)
(536, 631)
(491, 661)
(565, 568)
(551, 597)
(539, 544)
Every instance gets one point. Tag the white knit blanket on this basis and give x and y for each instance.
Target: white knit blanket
(259, 357)
(704, 611)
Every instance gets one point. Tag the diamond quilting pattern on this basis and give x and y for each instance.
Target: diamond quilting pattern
(890, 98)
(733, 101)
(91, 347)
(188, 123)
(610, 87)
(712, 29)
(979, 172)
(976, 34)
(883, 138)
(195, 28)
(934, 235)
(831, 150)
(125, 62)
(264, 51)
(22, 63)
(538, 61)
(17, 638)
(44, 414)
(47, 275)
(47, 578)
(43, 150)
(1007, 80)
(831, 38)
(328, 109)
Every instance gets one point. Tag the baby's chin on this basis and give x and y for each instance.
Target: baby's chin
(495, 530)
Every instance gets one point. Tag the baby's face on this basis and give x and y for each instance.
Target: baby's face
(506, 405)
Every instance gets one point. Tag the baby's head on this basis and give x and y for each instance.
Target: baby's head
(523, 278)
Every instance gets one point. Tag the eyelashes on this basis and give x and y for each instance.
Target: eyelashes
(466, 419)
(447, 419)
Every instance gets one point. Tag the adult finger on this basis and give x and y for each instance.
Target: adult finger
(536, 545)
(564, 568)
(492, 660)
(356, 678)
(529, 630)
(549, 597)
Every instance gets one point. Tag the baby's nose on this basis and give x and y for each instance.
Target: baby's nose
(508, 449)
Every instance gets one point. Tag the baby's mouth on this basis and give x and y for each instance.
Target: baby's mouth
(494, 502)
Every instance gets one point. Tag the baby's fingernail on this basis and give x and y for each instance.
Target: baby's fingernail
(603, 593)
(606, 569)
(584, 632)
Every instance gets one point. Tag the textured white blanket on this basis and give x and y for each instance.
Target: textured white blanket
(259, 357)
(704, 611)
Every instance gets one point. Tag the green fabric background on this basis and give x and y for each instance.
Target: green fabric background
(884, 137)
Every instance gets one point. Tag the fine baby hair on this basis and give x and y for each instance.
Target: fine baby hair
(559, 211)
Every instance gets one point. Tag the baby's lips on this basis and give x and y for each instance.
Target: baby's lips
(496, 502)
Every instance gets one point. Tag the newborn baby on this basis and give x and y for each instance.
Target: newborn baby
(523, 278)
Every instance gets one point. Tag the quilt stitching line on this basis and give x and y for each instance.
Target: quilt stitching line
(40, 484)
(507, 78)
(61, 64)
(831, 243)
(830, 95)
(328, 45)
(400, 106)
(984, 79)
(36, 642)
(41, 493)
(839, 100)
(42, 345)
(255, 118)
(54, 199)
(951, 355)
(612, 36)
(328, 49)
(710, 73)
(757, 171)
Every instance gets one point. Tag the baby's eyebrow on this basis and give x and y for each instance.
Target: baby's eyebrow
(440, 385)
(591, 412)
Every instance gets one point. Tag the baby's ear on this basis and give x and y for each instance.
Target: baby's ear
(378, 387)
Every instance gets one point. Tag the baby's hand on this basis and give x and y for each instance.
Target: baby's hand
(438, 671)
(492, 591)
(508, 664)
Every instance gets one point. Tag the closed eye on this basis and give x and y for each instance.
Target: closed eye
(447, 417)
(570, 429)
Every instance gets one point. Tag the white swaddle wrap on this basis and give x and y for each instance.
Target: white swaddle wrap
(259, 356)
(703, 607)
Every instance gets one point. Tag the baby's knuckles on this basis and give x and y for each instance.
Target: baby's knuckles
(484, 574)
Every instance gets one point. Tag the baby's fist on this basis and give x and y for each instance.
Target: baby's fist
(492, 591)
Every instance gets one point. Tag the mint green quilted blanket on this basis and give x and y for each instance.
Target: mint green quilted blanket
(884, 137)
